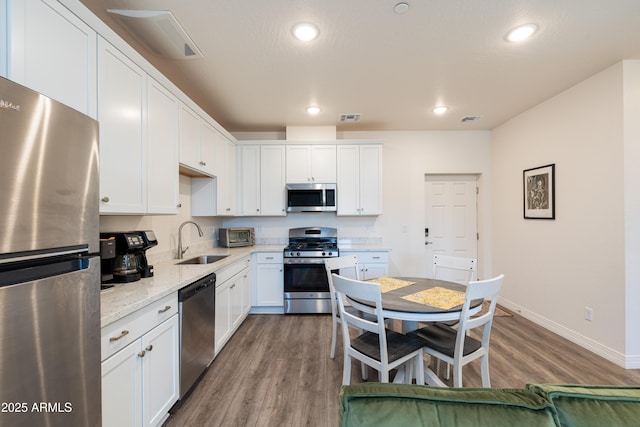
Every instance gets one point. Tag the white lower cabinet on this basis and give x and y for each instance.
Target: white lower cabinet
(140, 373)
(268, 286)
(371, 264)
(233, 300)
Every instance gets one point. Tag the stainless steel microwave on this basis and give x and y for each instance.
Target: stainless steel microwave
(311, 197)
(235, 237)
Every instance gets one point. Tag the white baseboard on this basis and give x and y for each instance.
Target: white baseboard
(622, 360)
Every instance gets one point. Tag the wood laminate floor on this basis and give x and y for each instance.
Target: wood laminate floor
(276, 371)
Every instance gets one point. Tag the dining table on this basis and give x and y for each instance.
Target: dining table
(415, 300)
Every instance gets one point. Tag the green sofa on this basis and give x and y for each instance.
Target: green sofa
(539, 405)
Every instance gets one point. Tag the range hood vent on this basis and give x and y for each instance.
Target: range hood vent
(160, 31)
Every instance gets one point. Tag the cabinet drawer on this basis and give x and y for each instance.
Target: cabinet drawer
(128, 329)
(270, 257)
(230, 271)
(370, 257)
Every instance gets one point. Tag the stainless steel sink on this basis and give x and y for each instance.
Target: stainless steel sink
(204, 259)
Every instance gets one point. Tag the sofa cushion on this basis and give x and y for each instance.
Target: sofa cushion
(592, 405)
(377, 404)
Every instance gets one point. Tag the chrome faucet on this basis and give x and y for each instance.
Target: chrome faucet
(180, 250)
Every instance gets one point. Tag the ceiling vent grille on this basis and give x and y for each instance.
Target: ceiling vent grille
(160, 31)
(469, 119)
(348, 118)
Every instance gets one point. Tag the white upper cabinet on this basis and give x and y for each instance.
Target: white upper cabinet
(261, 180)
(162, 150)
(122, 88)
(311, 164)
(197, 144)
(50, 51)
(273, 200)
(359, 179)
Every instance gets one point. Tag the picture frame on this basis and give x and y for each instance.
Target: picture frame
(539, 192)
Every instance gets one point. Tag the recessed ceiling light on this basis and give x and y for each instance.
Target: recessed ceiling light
(441, 109)
(305, 31)
(401, 8)
(313, 110)
(521, 33)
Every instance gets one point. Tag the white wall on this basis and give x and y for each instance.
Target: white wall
(554, 269)
(407, 157)
(166, 227)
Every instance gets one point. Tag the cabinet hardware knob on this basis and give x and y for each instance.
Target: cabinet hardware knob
(179, 205)
(257, 210)
(149, 347)
(122, 334)
(105, 199)
(164, 310)
(142, 353)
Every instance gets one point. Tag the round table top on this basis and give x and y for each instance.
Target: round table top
(397, 307)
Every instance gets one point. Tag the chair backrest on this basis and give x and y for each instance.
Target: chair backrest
(483, 289)
(454, 269)
(345, 265)
(350, 289)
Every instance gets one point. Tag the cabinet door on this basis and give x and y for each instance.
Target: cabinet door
(162, 150)
(223, 315)
(370, 180)
(53, 52)
(371, 271)
(121, 102)
(298, 164)
(249, 179)
(348, 180)
(225, 175)
(235, 296)
(269, 285)
(160, 367)
(209, 146)
(189, 137)
(272, 180)
(122, 387)
(323, 163)
(246, 291)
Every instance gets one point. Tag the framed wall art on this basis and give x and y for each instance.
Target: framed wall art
(539, 192)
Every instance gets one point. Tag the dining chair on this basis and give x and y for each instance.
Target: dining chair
(454, 269)
(455, 346)
(375, 346)
(345, 265)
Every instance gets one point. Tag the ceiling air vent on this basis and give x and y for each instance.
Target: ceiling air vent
(160, 31)
(469, 119)
(348, 118)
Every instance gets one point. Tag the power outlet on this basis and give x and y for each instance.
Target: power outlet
(588, 314)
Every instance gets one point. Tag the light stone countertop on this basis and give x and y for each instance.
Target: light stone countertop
(126, 298)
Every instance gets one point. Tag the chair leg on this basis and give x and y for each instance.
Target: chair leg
(346, 370)
(420, 369)
(457, 375)
(365, 371)
(484, 369)
(334, 336)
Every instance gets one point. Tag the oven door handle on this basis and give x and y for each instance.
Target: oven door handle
(303, 261)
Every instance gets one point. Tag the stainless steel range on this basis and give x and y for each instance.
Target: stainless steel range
(306, 288)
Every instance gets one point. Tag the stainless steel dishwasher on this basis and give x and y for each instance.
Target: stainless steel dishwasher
(197, 329)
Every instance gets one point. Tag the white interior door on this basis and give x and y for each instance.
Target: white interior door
(451, 226)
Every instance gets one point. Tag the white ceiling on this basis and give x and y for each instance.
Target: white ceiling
(390, 68)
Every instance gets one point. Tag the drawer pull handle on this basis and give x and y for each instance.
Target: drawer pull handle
(122, 334)
(164, 310)
(269, 257)
(149, 347)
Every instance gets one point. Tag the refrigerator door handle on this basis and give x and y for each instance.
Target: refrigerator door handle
(29, 272)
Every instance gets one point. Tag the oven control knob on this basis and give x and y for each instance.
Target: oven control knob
(298, 254)
(324, 254)
(329, 254)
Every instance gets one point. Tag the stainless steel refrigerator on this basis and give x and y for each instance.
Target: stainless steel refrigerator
(49, 270)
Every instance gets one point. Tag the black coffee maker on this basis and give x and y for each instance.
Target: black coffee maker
(129, 263)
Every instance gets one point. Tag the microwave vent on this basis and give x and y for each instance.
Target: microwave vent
(348, 118)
